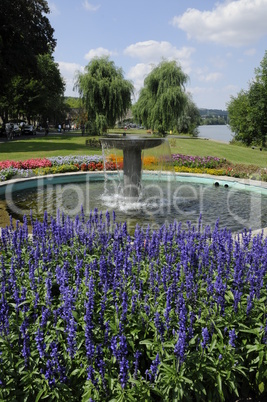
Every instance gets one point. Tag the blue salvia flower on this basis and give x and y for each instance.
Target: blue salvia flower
(124, 367)
(103, 304)
(103, 270)
(159, 325)
(45, 315)
(12, 275)
(23, 298)
(153, 371)
(232, 337)
(71, 337)
(191, 326)
(147, 309)
(4, 315)
(124, 306)
(140, 292)
(182, 312)
(180, 347)
(48, 283)
(237, 297)
(88, 318)
(49, 373)
(91, 375)
(101, 364)
(39, 339)
(26, 341)
(134, 300)
(78, 267)
(54, 369)
(137, 354)
(205, 337)
(108, 220)
(114, 348)
(118, 346)
(106, 334)
(168, 307)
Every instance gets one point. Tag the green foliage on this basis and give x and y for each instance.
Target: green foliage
(105, 93)
(209, 121)
(240, 121)
(162, 100)
(248, 111)
(40, 97)
(25, 33)
(190, 118)
(73, 102)
(55, 169)
(30, 81)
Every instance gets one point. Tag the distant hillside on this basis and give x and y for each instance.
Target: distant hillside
(213, 113)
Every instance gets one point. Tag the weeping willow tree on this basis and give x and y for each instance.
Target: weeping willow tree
(105, 93)
(162, 99)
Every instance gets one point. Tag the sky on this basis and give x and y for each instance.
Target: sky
(217, 44)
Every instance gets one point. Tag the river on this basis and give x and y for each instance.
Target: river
(218, 133)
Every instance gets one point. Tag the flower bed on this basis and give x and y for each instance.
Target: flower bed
(181, 163)
(171, 315)
(197, 161)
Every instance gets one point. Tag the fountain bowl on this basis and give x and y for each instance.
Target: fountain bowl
(130, 142)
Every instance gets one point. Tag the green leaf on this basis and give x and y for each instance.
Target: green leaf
(146, 342)
(219, 383)
(40, 393)
(261, 387)
(253, 348)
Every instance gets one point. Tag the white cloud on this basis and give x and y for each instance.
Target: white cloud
(232, 23)
(210, 77)
(90, 7)
(98, 52)
(250, 52)
(137, 75)
(153, 51)
(68, 72)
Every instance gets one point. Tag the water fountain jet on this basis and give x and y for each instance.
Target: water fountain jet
(132, 148)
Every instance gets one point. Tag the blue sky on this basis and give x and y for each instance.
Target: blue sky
(218, 44)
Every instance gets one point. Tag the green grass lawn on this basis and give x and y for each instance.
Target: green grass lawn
(74, 144)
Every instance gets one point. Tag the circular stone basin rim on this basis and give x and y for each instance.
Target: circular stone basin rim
(24, 183)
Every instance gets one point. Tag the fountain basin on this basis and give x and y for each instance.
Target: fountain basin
(182, 197)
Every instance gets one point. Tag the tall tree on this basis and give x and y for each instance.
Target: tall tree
(240, 118)
(190, 118)
(25, 33)
(248, 111)
(105, 93)
(258, 101)
(162, 99)
(40, 97)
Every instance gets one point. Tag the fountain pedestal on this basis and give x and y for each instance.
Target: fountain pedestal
(132, 159)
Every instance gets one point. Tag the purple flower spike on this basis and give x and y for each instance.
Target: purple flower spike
(206, 337)
(232, 338)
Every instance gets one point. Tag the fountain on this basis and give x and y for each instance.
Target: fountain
(151, 197)
(132, 148)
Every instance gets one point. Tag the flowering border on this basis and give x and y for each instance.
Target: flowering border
(180, 163)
